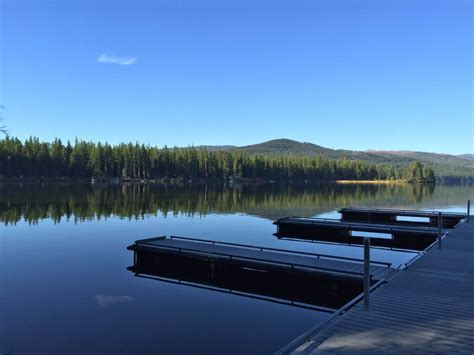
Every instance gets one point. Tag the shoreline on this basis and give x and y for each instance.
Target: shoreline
(102, 180)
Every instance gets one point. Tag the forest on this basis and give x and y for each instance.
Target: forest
(56, 160)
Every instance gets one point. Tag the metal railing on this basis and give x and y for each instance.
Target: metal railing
(440, 228)
(468, 210)
(366, 273)
(286, 251)
(233, 257)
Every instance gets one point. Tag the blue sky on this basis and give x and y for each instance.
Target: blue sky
(352, 74)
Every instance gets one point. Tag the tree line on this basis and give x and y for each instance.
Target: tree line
(36, 159)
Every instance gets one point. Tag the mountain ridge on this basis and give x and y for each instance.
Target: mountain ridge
(445, 165)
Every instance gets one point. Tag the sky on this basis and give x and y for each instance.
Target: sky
(348, 74)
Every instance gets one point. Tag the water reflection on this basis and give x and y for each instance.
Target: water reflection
(81, 202)
(321, 291)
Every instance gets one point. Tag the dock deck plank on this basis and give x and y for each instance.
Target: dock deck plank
(428, 308)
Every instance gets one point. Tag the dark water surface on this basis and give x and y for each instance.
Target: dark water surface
(65, 287)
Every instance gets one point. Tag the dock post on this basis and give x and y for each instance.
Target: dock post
(440, 228)
(366, 273)
(468, 210)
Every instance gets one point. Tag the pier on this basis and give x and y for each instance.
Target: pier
(426, 308)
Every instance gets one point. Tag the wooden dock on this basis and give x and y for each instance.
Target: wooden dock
(427, 308)
(399, 217)
(262, 258)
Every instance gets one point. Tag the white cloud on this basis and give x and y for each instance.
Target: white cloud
(106, 300)
(107, 58)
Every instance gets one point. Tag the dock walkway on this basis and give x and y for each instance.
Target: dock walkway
(427, 308)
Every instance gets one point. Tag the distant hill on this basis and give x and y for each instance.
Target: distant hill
(443, 164)
(286, 147)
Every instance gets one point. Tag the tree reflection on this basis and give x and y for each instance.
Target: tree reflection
(82, 202)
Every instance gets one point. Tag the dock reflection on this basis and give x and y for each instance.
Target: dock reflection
(321, 292)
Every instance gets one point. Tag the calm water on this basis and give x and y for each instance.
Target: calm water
(65, 287)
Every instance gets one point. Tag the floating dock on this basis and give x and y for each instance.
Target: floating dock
(401, 217)
(262, 258)
(427, 308)
(337, 228)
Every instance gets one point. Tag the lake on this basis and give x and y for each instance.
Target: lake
(65, 287)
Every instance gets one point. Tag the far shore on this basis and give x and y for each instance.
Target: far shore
(210, 180)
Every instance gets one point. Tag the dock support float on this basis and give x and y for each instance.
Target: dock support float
(366, 273)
